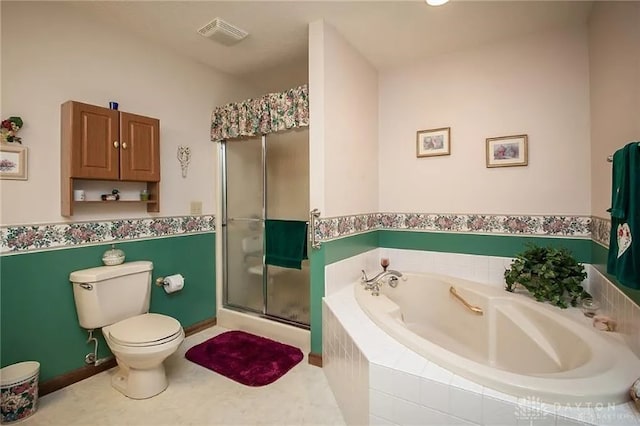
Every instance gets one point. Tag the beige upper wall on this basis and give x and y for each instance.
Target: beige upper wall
(614, 62)
(280, 78)
(537, 85)
(288, 175)
(316, 116)
(343, 129)
(52, 53)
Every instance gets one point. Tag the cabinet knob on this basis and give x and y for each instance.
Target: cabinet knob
(116, 144)
(124, 145)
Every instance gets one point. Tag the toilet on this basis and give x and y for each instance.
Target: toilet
(116, 299)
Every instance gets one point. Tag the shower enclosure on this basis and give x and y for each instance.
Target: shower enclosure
(264, 177)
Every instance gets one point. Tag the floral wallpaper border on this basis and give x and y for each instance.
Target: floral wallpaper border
(565, 226)
(23, 238)
(601, 230)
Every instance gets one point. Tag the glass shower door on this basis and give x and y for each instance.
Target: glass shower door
(264, 177)
(287, 174)
(244, 189)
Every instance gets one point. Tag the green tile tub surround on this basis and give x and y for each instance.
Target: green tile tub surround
(462, 243)
(38, 319)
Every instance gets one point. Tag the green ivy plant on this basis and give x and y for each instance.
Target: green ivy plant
(549, 274)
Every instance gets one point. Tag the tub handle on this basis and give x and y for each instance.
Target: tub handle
(475, 309)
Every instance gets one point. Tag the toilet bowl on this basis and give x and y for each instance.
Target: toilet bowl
(116, 299)
(140, 345)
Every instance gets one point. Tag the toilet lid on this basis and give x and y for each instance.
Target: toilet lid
(145, 330)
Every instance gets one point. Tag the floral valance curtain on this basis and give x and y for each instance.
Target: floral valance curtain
(267, 114)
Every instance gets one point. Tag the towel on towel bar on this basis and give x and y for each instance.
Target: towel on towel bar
(624, 241)
(286, 243)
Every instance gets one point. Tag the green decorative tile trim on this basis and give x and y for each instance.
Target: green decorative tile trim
(561, 226)
(600, 230)
(24, 238)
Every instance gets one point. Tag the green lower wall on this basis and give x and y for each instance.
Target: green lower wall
(487, 245)
(38, 319)
(330, 252)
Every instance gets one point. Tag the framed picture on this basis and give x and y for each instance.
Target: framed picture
(13, 161)
(433, 142)
(507, 151)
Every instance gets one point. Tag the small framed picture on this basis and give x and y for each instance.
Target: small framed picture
(433, 142)
(13, 161)
(507, 151)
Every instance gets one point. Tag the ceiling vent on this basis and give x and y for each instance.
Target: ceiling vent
(222, 32)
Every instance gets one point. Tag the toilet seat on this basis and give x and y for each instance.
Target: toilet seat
(144, 330)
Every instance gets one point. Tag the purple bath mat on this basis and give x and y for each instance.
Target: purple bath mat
(246, 358)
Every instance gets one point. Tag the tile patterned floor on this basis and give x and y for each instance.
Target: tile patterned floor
(195, 396)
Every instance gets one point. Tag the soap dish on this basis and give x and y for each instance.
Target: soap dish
(113, 256)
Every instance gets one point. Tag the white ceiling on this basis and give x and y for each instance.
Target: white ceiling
(388, 33)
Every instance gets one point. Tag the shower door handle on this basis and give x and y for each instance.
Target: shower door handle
(313, 216)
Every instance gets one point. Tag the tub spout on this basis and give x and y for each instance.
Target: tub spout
(374, 283)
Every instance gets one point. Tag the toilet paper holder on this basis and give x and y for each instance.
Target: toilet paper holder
(162, 281)
(171, 284)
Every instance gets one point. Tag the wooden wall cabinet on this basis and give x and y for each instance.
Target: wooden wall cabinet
(104, 144)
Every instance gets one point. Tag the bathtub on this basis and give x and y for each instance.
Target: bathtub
(517, 345)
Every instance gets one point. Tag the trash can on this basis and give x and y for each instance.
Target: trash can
(18, 391)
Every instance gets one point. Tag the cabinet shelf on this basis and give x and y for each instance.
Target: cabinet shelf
(116, 202)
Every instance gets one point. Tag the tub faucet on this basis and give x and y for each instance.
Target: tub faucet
(374, 283)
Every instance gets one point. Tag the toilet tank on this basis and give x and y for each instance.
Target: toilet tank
(108, 294)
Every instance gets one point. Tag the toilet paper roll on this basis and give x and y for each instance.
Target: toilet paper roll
(173, 283)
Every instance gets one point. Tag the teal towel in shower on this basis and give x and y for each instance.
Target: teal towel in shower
(624, 242)
(286, 243)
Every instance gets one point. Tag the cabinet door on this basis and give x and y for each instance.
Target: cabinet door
(140, 148)
(94, 142)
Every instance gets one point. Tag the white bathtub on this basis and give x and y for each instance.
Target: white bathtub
(518, 346)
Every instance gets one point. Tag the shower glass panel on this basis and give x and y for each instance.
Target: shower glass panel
(264, 178)
(245, 227)
(287, 173)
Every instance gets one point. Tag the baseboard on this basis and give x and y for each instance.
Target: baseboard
(200, 326)
(315, 359)
(74, 376)
(87, 371)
